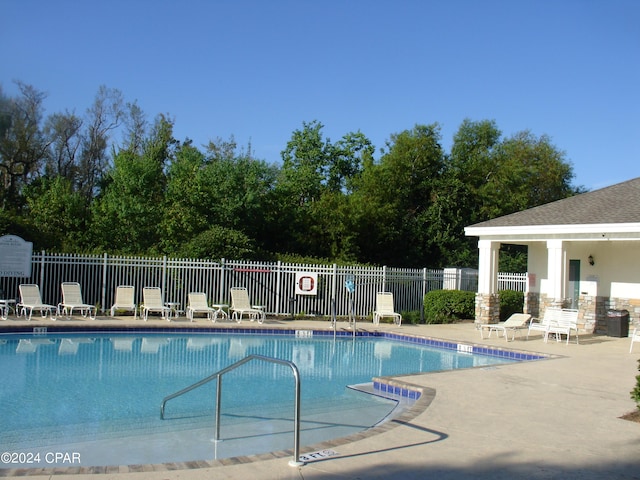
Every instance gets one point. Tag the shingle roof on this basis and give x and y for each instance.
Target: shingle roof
(618, 203)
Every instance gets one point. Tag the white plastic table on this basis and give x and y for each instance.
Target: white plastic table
(5, 307)
(219, 310)
(173, 307)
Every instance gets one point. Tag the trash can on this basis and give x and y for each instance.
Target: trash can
(618, 323)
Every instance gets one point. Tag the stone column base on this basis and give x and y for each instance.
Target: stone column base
(487, 308)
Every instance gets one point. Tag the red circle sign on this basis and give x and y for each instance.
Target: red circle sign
(306, 284)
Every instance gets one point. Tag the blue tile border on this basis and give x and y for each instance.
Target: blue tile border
(396, 390)
(422, 341)
(464, 347)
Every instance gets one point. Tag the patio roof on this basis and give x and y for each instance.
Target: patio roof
(608, 213)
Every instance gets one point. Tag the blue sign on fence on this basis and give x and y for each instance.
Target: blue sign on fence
(350, 284)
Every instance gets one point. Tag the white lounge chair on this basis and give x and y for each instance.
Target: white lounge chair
(198, 304)
(72, 299)
(517, 321)
(384, 308)
(240, 305)
(635, 337)
(152, 302)
(125, 300)
(31, 300)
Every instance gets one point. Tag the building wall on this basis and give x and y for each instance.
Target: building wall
(612, 283)
(615, 273)
(537, 267)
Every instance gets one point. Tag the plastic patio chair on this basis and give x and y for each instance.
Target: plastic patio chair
(125, 300)
(72, 300)
(240, 305)
(384, 308)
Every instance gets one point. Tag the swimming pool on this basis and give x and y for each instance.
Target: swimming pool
(98, 394)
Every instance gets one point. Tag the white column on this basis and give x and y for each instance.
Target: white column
(488, 266)
(557, 269)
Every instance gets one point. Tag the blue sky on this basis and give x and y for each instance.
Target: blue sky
(258, 69)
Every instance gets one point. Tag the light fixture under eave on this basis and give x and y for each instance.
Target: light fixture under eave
(591, 260)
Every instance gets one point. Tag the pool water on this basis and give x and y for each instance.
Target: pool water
(99, 395)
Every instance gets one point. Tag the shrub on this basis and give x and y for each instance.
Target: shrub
(411, 317)
(511, 302)
(635, 393)
(218, 242)
(447, 306)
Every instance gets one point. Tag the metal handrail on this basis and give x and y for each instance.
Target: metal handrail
(218, 375)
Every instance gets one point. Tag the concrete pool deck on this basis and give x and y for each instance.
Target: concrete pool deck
(552, 418)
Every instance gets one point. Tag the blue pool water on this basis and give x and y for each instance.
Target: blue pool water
(98, 395)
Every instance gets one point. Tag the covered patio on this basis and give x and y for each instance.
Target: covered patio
(583, 253)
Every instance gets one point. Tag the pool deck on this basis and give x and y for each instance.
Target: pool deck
(557, 418)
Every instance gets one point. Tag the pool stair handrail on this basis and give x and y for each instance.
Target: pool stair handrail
(295, 462)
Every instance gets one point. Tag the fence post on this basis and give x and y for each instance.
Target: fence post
(223, 277)
(104, 282)
(424, 292)
(42, 276)
(334, 285)
(164, 277)
(278, 287)
(384, 279)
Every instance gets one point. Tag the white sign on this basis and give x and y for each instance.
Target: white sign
(15, 257)
(306, 283)
(319, 455)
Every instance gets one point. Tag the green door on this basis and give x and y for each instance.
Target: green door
(574, 282)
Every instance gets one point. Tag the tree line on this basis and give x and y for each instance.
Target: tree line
(110, 180)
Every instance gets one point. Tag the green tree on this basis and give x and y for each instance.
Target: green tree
(331, 233)
(487, 177)
(103, 117)
(327, 200)
(312, 193)
(221, 188)
(135, 126)
(240, 192)
(471, 166)
(394, 197)
(186, 199)
(64, 132)
(506, 175)
(532, 172)
(347, 161)
(445, 219)
(305, 162)
(457, 195)
(23, 145)
(218, 242)
(58, 213)
(127, 217)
